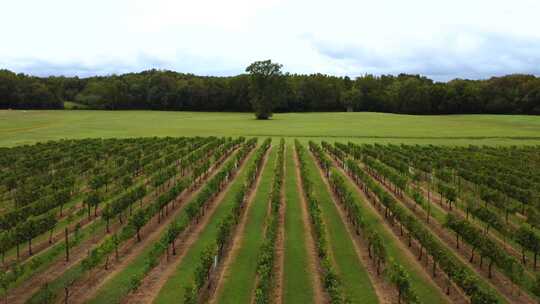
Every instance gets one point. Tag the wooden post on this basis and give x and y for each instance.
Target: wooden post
(67, 246)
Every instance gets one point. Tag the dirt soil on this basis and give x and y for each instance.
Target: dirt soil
(280, 248)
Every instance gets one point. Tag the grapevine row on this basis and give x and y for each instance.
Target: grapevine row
(458, 272)
(225, 229)
(265, 262)
(376, 247)
(331, 281)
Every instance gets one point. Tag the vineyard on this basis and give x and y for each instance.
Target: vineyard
(264, 220)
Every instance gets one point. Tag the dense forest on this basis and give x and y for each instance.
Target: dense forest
(168, 90)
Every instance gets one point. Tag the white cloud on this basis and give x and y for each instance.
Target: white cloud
(443, 39)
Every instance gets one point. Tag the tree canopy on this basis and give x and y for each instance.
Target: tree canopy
(266, 85)
(168, 90)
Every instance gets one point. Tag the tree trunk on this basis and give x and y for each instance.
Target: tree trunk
(30, 246)
(67, 244)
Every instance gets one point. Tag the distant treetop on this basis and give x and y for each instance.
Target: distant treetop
(266, 89)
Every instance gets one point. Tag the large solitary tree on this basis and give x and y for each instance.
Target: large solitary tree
(266, 87)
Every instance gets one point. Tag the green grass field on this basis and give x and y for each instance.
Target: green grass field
(297, 284)
(27, 127)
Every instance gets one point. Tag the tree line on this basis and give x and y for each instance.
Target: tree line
(169, 90)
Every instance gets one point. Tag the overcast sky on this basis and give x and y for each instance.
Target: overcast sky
(440, 39)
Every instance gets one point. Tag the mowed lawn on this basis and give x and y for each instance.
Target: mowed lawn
(297, 282)
(27, 127)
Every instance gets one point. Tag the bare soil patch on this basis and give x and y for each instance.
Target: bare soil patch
(280, 241)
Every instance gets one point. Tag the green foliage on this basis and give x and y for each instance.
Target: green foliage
(265, 262)
(376, 247)
(266, 87)
(226, 226)
(196, 146)
(167, 90)
(399, 277)
(451, 265)
(487, 248)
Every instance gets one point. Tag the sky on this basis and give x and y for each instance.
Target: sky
(439, 39)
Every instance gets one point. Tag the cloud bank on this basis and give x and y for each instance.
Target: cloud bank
(439, 39)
